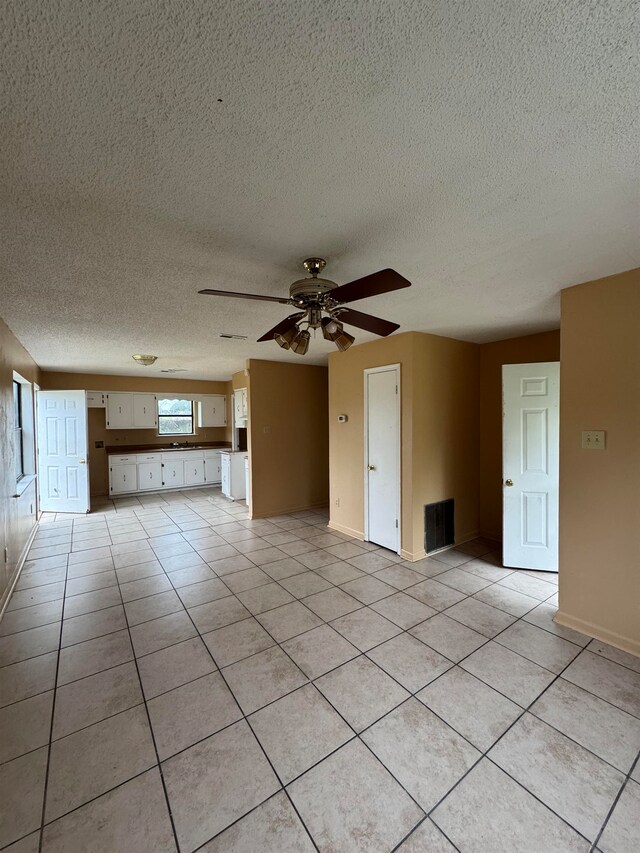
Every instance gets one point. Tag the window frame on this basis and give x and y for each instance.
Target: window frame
(18, 430)
(162, 417)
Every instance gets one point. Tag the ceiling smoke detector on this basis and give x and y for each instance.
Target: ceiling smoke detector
(145, 360)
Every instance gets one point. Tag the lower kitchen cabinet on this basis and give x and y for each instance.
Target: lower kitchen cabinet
(194, 472)
(154, 471)
(149, 476)
(212, 470)
(173, 474)
(123, 478)
(233, 475)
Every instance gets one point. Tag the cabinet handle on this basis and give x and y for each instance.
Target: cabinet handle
(150, 475)
(124, 478)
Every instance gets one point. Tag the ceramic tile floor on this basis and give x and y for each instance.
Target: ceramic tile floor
(176, 677)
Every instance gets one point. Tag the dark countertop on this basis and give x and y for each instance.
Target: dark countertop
(164, 448)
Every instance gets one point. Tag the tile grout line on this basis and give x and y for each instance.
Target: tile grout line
(151, 732)
(616, 801)
(245, 718)
(53, 713)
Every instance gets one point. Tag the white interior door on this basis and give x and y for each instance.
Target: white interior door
(530, 463)
(382, 456)
(63, 471)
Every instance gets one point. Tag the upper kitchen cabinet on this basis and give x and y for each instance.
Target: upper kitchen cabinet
(240, 405)
(145, 411)
(119, 411)
(212, 411)
(132, 411)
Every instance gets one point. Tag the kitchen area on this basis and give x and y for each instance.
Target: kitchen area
(146, 435)
(204, 445)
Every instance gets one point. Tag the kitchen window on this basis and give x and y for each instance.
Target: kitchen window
(175, 417)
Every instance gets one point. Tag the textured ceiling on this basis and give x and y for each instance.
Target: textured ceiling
(488, 151)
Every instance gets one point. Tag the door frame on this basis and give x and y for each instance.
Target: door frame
(367, 371)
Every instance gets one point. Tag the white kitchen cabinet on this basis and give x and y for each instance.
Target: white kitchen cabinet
(145, 411)
(123, 477)
(212, 411)
(194, 472)
(173, 472)
(233, 475)
(212, 470)
(240, 405)
(149, 476)
(119, 411)
(96, 400)
(225, 473)
(131, 411)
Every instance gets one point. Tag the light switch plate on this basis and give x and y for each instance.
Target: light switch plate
(593, 439)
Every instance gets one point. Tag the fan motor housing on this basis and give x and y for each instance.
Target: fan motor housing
(310, 288)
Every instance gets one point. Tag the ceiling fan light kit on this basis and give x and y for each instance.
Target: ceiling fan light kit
(322, 304)
(300, 343)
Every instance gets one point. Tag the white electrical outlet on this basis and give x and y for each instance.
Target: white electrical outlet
(593, 439)
(337, 501)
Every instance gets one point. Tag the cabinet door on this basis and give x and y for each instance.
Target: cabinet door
(212, 411)
(225, 474)
(149, 476)
(119, 411)
(145, 411)
(212, 469)
(194, 472)
(96, 400)
(173, 474)
(123, 479)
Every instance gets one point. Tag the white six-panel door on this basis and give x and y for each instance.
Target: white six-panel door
(63, 469)
(530, 463)
(382, 456)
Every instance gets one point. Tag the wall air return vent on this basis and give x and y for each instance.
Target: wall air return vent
(438, 525)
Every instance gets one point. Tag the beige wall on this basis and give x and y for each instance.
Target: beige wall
(445, 432)
(599, 579)
(17, 515)
(98, 432)
(439, 423)
(288, 437)
(523, 350)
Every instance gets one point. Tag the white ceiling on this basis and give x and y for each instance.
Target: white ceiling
(488, 151)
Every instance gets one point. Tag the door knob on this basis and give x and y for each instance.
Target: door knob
(82, 461)
(371, 467)
(508, 482)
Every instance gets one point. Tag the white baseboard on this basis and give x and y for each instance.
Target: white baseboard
(348, 531)
(626, 644)
(285, 510)
(21, 561)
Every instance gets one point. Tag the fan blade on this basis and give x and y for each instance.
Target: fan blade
(245, 296)
(366, 321)
(282, 326)
(383, 281)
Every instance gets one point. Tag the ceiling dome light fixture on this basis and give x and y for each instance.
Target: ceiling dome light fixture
(145, 360)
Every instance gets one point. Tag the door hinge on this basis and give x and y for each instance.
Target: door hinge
(396, 389)
(396, 523)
